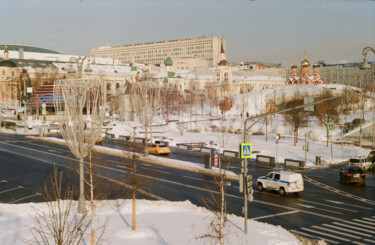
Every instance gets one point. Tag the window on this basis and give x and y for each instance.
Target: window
(277, 176)
(269, 176)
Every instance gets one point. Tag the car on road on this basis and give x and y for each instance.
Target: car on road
(159, 149)
(99, 140)
(371, 157)
(282, 181)
(352, 174)
(362, 162)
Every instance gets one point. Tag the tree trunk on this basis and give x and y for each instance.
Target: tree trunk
(295, 137)
(327, 136)
(92, 203)
(133, 201)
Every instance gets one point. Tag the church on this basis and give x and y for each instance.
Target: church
(305, 76)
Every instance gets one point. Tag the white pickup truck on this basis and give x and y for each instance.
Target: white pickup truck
(282, 181)
(362, 162)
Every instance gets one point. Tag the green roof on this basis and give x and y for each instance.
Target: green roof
(168, 61)
(12, 47)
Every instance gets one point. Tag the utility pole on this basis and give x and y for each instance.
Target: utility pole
(24, 78)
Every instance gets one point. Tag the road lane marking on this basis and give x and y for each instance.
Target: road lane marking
(63, 166)
(3, 181)
(369, 219)
(15, 188)
(358, 198)
(347, 230)
(325, 234)
(313, 236)
(365, 222)
(36, 194)
(367, 240)
(189, 177)
(354, 227)
(359, 243)
(312, 207)
(160, 171)
(351, 205)
(274, 215)
(365, 226)
(327, 205)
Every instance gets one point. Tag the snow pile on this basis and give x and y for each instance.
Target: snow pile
(158, 222)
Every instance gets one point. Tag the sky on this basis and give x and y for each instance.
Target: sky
(276, 31)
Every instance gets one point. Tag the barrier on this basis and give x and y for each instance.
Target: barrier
(139, 140)
(294, 163)
(166, 143)
(232, 154)
(207, 150)
(184, 147)
(265, 159)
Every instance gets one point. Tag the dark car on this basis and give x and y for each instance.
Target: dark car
(352, 174)
(371, 156)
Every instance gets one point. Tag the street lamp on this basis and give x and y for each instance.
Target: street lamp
(366, 66)
(24, 78)
(79, 61)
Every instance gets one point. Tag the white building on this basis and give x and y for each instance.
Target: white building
(203, 47)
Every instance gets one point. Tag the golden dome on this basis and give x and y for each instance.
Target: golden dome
(305, 62)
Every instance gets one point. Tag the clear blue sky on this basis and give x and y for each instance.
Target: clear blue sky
(262, 30)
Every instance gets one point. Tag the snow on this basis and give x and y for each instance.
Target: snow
(254, 103)
(158, 222)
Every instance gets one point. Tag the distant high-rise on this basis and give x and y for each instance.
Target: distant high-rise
(156, 52)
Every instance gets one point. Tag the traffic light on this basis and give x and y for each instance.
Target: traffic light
(241, 180)
(249, 188)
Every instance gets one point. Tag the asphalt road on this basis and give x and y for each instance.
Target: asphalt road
(337, 213)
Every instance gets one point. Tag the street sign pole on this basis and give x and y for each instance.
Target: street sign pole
(245, 195)
(245, 150)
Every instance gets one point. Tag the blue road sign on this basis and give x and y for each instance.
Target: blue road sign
(215, 151)
(246, 150)
(331, 127)
(211, 142)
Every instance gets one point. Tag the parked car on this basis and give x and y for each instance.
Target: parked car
(352, 174)
(282, 181)
(362, 162)
(159, 149)
(99, 140)
(371, 156)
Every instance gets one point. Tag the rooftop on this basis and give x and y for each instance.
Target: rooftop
(12, 47)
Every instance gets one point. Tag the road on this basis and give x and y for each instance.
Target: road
(339, 214)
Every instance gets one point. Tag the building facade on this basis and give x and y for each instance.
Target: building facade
(204, 48)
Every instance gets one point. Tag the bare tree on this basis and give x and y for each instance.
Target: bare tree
(225, 105)
(296, 118)
(73, 97)
(270, 107)
(57, 224)
(327, 111)
(217, 206)
(146, 101)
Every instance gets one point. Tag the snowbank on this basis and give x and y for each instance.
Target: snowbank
(158, 222)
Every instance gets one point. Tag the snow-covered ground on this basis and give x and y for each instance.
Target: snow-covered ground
(158, 222)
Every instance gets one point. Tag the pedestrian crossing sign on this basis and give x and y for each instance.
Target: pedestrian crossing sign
(246, 149)
(331, 127)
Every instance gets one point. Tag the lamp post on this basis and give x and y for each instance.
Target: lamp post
(24, 78)
(366, 66)
(79, 62)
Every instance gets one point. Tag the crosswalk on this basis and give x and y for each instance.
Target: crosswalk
(355, 231)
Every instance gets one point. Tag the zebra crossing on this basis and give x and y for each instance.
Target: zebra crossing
(355, 231)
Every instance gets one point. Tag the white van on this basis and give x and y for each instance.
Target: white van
(282, 181)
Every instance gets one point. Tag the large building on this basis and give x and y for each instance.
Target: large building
(203, 47)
